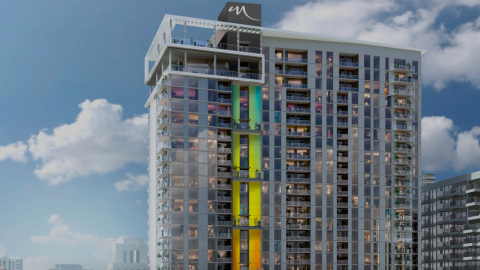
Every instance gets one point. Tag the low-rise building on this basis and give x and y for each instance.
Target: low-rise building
(11, 263)
(129, 253)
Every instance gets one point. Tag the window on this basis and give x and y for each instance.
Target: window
(131, 256)
(124, 256)
(387, 66)
(376, 62)
(366, 62)
(367, 74)
(318, 57)
(329, 58)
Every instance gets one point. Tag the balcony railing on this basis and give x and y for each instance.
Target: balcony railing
(225, 125)
(298, 249)
(293, 60)
(227, 113)
(295, 156)
(403, 138)
(224, 100)
(224, 199)
(224, 88)
(298, 110)
(298, 203)
(297, 98)
(403, 67)
(224, 162)
(403, 104)
(348, 89)
(290, 144)
(298, 133)
(294, 121)
(254, 174)
(351, 77)
(292, 85)
(247, 125)
(297, 168)
(218, 72)
(342, 100)
(398, 79)
(348, 64)
(224, 137)
(298, 180)
(342, 123)
(298, 191)
(402, 92)
(224, 150)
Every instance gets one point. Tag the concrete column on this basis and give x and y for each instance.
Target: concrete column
(238, 71)
(185, 32)
(169, 59)
(215, 64)
(261, 42)
(171, 29)
(214, 36)
(238, 38)
(185, 60)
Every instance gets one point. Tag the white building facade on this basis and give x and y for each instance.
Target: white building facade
(129, 254)
(11, 263)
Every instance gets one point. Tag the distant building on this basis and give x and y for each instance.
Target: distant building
(129, 253)
(10, 263)
(68, 267)
(428, 179)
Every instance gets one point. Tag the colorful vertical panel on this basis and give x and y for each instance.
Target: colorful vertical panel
(235, 199)
(236, 150)
(254, 104)
(236, 248)
(254, 154)
(255, 202)
(254, 249)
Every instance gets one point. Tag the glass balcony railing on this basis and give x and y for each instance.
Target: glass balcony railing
(348, 89)
(298, 110)
(298, 133)
(348, 76)
(247, 125)
(292, 60)
(403, 67)
(292, 85)
(348, 64)
(297, 98)
(254, 174)
(209, 44)
(295, 121)
(218, 72)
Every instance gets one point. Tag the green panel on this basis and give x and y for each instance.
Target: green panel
(254, 154)
(254, 104)
(236, 199)
(236, 102)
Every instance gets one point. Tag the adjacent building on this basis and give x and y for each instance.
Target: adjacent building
(451, 223)
(428, 179)
(11, 263)
(65, 266)
(129, 253)
(272, 149)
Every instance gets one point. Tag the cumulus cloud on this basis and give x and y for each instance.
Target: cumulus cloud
(451, 53)
(444, 148)
(62, 234)
(132, 182)
(99, 141)
(38, 263)
(15, 151)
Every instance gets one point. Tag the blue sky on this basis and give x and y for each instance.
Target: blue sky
(54, 55)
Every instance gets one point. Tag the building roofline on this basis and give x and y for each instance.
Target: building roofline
(272, 32)
(452, 180)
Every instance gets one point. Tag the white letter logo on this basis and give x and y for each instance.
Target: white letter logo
(239, 10)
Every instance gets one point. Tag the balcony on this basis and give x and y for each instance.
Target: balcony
(224, 113)
(402, 92)
(342, 123)
(297, 98)
(298, 145)
(342, 100)
(403, 116)
(291, 72)
(402, 68)
(298, 191)
(474, 215)
(224, 88)
(247, 127)
(348, 89)
(348, 64)
(403, 138)
(402, 81)
(299, 122)
(297, 168)
(298, 133)
(245, 222)
(292, 85)
(291, 60)
(402, 171)
(224, 137)
(224, 174)
(347, 77)
(224, 150)
(402, 104)
(224, 125)
(224, 199)
(342, 147)
(298, 179)
(297, 110)
(218, 72)
(224, 100)
(248, 174)
(224, 162)
(401, 161)
(403, 149)
(296, 156)
(303, 250)
(298, 203)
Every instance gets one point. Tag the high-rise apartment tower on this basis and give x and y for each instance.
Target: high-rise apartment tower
(275, 150)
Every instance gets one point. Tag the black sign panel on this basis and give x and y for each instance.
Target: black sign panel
(242, 13)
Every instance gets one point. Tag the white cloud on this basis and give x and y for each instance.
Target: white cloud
(443, 148)
(99, 141)
(452, 55)
(38, 263)
(14, 151)
(132, 182)
(62, 234)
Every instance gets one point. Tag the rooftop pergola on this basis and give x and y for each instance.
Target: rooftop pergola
(164, 33)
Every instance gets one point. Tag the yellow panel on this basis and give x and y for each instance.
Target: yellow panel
(236, 248)
(254, 249)
(255, 202)
(254, 152)
(236, 199)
